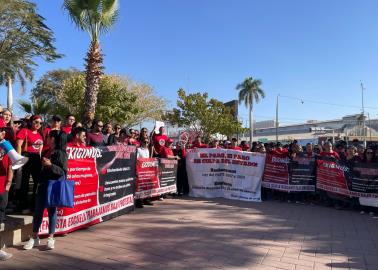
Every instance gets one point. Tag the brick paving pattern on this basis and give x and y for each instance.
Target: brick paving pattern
(215, 234)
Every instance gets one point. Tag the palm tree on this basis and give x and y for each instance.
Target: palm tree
(250, 92)
(23, 38)
(40, 107)
(95, 17)
(15, 71)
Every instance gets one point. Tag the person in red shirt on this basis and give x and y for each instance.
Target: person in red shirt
(234, 145)
(6, 175)
(215, 144)
(95, 138)
(198, 143)
(79, 138)
(70, 120)
(167, 151)
(159, 141)
(30, 143)
(328, 151)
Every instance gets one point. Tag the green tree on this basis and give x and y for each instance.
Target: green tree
(120, 99)
(202, 115)
(95, 17)
(250, 92)
(40, 107)
(23, 38)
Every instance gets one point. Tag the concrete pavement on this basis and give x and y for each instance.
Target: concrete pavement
(214, 234)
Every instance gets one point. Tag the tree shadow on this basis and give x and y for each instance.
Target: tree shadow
(213, 233)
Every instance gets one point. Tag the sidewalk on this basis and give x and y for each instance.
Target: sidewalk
(215, 234)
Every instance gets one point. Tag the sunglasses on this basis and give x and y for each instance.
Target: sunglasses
(37, 122)
(100, 126)
(369, 153)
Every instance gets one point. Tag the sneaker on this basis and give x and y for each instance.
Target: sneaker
(2, 226)
(50, 243)
(32, 243)
(371, 213)
(362, 212)
(5, 255)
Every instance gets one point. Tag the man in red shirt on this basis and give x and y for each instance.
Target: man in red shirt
(79, 138)
(198, 143)
(70, 120)
(328, 151)
(167, 151)
(234, 145)
(159, 141)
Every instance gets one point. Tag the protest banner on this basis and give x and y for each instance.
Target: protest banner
(104, 186)
(225, 173)
(155, 177)
(356, 179)
(290, 175)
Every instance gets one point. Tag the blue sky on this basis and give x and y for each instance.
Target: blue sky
(312, 50)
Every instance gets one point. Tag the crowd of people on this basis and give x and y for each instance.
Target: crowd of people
(45, 146)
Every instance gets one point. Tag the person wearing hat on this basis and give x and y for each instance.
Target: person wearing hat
(167, 151)
(30, 144)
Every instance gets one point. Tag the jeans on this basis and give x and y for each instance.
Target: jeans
(33, 168)
(3, 205)
(40, 205)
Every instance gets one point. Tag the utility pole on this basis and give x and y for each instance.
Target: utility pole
(277, 119)
(363, 114)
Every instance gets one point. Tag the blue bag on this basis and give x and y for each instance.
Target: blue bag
(60, 193)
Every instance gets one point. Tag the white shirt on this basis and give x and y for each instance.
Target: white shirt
(143, 152)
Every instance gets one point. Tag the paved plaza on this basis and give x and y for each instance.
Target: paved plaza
(215, 234)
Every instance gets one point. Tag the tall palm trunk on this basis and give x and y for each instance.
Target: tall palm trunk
(93, 75)
(250, 124)
(10, 93)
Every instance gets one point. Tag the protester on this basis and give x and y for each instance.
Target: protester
(142, 151)
(328, 151)
(215, 144)
(360, 151)
(244, 146)
(70, 120)
(134, 137)
(54, 166)
(317, 149)
(6, 175)
(115, 138)
(107, 132)
(10, 132)
(143, 134)
(95, 137)
(351, 155)
(159, 141)
(79, 137)
(198, 143)
(234, 145)
(182, 177)
(167, 151)
(309, 151)
(30, 144)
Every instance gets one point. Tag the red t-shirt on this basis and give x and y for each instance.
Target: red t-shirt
(4, 167)
(166, 151)
(73, 145)
(34, 140)
(67, 129)
(202, 145)
(333, 154)
(159, 142)
(236, 148)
